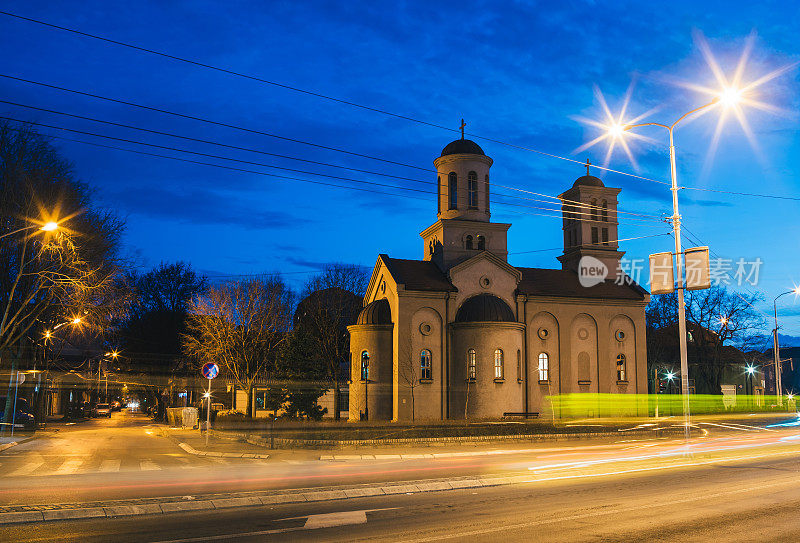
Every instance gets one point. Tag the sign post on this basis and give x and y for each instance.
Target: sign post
(210, 370)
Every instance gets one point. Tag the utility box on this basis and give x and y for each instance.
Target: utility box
(190, 416)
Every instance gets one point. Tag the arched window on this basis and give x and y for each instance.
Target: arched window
(486, 186)
(499, 370)
(425, 366)
(481, 243)
(472, 364)
(621, 368)
(452, 181)
(364, 366)
(594, 209)
(595, 236)
(544, 367)
(438, 194)
(605, 236)
(604, 211)
(468, 242)
(584, 366)
(472, 190)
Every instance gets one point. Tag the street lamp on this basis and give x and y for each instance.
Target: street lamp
(727, 97)
(776, 356)
(46, 227)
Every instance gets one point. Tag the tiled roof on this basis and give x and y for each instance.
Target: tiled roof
(418, 274)
(546, 282)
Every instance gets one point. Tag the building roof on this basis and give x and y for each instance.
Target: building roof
(484, 308)
(588, 181)
(377, 312)
(418, 274)
(564, 283)
(462, 147)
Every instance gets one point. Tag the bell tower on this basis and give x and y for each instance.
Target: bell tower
(590, 226)
(463, 209)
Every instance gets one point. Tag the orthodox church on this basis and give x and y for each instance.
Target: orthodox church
(463, 333)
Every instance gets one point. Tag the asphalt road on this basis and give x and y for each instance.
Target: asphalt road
(738, 501)
(736, 482)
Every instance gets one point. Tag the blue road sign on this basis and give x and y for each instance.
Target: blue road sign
(210, 370)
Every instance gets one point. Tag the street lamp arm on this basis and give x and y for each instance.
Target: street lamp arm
(19, 230)
(630, 126)
(695, 110)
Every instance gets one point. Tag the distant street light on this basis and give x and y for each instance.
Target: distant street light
(776, 356)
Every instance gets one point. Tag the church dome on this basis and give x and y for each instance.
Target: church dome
(485, 308)
(588, 181)
(462, 147)
(377, 312)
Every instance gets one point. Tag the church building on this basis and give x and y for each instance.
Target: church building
(463, 333)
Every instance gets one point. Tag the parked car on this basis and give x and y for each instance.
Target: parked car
(102, 410)
(116, 406)
(22, 418)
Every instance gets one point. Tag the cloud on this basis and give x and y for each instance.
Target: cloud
(201, 206)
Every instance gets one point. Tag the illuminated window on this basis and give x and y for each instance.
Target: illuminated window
(468, 242)
(604, 211)
(544, 367)
(621, 369)
(471, 364)
(453, 190)
(426, 370)
(486, 185)
(364, 366)
(481, 243)
(499, 371)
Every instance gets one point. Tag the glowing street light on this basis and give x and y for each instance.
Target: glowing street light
(49, 227)
(750, 370)
(46, 227)
(729, 96)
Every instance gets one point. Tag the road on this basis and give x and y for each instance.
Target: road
(734, 486)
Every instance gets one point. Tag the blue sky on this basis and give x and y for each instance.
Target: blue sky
(518, 72)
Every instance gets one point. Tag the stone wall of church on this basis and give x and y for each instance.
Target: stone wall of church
(583, 340)
(375, 339)
(486, 396)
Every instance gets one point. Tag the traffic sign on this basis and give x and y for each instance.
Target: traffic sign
(210, 370)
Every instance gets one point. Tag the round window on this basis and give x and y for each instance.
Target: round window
(485, 282)
(583, 333)
(620, 335)
(383, 287)
(543, 333)
(425, 329)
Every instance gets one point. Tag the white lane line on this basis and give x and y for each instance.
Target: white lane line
(109, 466)
(70, 466)
(26, 469)
(148, 465)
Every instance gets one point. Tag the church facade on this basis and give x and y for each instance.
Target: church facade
(462, 333)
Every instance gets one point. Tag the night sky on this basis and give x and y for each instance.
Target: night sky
(520, 73)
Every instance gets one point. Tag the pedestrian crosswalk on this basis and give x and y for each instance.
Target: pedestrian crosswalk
(53, 465)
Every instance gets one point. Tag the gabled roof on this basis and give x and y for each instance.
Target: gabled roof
(417, 274)
(491, 257)
(564, 283)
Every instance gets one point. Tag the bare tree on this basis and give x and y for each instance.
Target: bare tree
(241, 326)
(409, 374)
(46, 277)
(331, 302)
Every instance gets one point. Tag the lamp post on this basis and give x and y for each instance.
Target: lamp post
(618, 130)
(776, 353)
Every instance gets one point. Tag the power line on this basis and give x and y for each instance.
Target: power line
(311, 93)
(753, 194)
(208, 155)
(610, 241)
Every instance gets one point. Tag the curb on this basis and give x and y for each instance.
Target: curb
(191, 450)
(5, 446)
(211, 503)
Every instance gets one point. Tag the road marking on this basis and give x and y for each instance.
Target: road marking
(109, 465)
(70, 466)
(26, 469)
(313, 522)
(148, 465)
